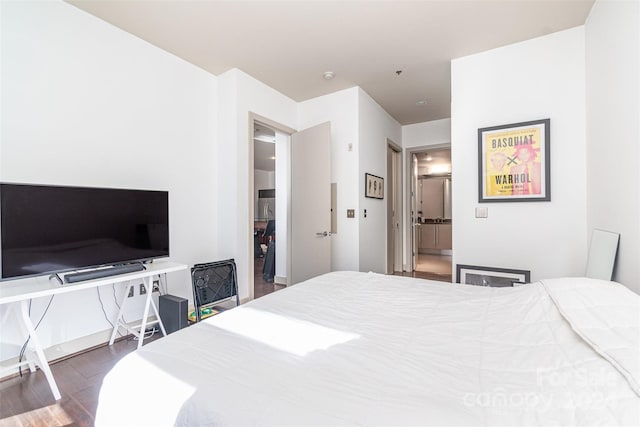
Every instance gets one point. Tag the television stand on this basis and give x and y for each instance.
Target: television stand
(19, 293)
(103, 272)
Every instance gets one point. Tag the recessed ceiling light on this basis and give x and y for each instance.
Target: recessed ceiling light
(428, 158)
(328, 75)
(421, 102)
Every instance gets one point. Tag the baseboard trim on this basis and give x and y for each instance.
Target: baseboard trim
(280, 280)
(59, 352)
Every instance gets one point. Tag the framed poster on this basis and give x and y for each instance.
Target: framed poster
(491, 276)
(373, 186)
(513, 162)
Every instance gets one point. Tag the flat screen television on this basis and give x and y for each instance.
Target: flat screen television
(48, 229)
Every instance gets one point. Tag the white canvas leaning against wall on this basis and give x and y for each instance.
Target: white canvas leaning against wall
(602, 254)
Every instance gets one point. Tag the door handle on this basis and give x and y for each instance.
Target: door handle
(323, 234)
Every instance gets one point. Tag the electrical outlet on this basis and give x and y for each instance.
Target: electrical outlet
(143, 290)
(130, 292)
(156, 286)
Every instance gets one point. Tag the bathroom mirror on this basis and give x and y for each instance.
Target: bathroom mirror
(434, 197)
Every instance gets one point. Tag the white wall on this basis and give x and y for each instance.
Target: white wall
(84, 103)
(239, 95)
(375, 125)
(536, 79)
(341, 109)
(613, 127)
(428, 133)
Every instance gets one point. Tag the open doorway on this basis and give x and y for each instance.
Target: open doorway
(270, 194)
(264, 212)
(302, 205)
(432, 225)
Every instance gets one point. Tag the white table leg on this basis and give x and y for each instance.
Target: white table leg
(155, 310)
(149, 304)
(119, 317)
(148, 284)
(35, 343)
(143, 325)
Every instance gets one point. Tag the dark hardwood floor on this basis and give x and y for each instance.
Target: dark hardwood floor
(27, 400)
(260, 286)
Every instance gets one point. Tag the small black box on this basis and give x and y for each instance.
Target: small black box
(173, 312)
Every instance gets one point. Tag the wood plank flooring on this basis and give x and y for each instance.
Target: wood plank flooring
(27, 400)
(260, 286)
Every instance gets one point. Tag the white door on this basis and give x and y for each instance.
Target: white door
(310, 203)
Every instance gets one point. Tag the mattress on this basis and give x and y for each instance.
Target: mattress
(352, 348)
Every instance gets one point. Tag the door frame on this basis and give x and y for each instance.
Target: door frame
(252, 118)
(394, 194)
(410, 216)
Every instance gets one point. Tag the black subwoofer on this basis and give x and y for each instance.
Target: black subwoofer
(173, 312)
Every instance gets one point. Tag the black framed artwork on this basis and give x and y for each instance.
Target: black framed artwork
(514, 163)
(491, 276)
(373, 186)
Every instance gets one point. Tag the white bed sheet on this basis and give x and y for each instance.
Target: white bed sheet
(362, 348)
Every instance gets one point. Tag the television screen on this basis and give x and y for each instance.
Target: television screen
(46, 229)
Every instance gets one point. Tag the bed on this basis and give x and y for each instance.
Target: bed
(351, 348)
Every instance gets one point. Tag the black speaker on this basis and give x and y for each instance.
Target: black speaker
(173, 312)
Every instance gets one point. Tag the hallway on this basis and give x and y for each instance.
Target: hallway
(435, 267)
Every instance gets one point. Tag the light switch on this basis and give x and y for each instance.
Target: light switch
(351, 213)
(482, 212)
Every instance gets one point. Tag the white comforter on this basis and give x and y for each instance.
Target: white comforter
(361, 348)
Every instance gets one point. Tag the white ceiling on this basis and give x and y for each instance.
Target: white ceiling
(438, 156)
(289, 44)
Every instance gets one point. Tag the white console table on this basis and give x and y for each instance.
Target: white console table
(22, 290)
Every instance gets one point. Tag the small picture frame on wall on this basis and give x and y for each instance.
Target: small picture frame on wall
(373, 186)
(491, 276)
